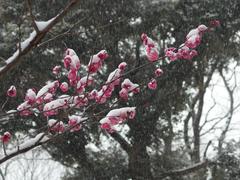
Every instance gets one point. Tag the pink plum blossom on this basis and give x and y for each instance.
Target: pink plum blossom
(56, 70)
(64, 87)
(150, 47)
(96, 61)
(12, 92)
(6, 137)
(56, 126)
(152, 84)
(30, 96)
(158, 72)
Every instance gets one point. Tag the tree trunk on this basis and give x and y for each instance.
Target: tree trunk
(139, 163)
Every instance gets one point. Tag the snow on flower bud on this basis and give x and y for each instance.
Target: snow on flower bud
(158, 72)
(48, 97)
(6, 137)
(152, 54)
(56, 70)
(50, 87)
(71, 62)
(52, 107)
(86, 81)
(30, 96)
(70, 52)
(150, 47)
(117, 116)
(122, 66)
(103, 54)
(193, 41)
(130, 86)
(96, 61)
(74, 123)
(202, 28)
(152, 84)
(56, 126)
(64, 87)
(24, 109)
(12, 92)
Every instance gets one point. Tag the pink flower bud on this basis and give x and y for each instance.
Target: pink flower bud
(30, 96)
(152, 54)
(122, 66)
(103, 54)
(74, 124)
(56, 70)
(124, 94)
(6, 137)
(64, 87)
(214, 23)
(152, 84)
(158, 72)
(67, 61)
(107, 127)
(12, 92)
(94, 67)
(202, 28)
(72, 75)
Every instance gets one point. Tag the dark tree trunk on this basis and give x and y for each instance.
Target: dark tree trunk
(139, 163)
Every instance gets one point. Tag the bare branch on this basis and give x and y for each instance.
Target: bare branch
(29, 4)
(185, 171)
(206, 149)
(231, 110)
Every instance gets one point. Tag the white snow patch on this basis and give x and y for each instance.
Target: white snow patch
(41, 25)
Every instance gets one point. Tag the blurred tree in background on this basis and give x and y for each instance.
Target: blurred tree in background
(166, 134)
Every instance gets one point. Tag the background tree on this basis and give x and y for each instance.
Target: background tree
(148, 147)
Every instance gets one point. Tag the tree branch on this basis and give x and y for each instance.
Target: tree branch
(185, 171)
(124, 144)
(34, 39)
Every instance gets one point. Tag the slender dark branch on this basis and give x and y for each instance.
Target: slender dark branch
(206, 149)
(186, 171)
(29, 4)
(231, 110)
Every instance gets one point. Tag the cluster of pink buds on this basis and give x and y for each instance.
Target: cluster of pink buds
(71, 62)
(74, 123)
(113, 80)
(6, 137)
(117, 116)
(187, 50)
(127, 86)
(56, 126)
(150, 47)
(96, 61)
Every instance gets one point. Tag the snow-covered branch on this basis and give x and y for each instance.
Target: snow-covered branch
(24, 147)
(34, 39)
